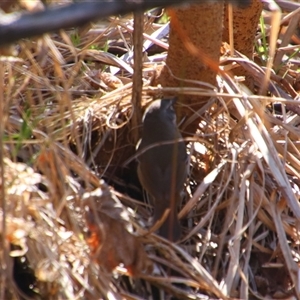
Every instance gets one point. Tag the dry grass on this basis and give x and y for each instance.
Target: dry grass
(65, 124)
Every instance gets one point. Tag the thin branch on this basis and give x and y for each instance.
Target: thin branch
(16, 26)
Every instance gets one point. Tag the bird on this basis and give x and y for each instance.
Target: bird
(162, 164)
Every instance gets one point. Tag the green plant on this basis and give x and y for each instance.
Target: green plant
(75, 38)
(262, 46)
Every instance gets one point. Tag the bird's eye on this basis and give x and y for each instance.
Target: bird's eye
(171, 108)
(171, 114)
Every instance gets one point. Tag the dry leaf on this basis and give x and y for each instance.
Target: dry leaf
(110, 241)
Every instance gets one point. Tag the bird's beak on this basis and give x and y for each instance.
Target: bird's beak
(174, 100)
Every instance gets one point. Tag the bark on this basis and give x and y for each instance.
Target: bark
(245, 26)
(202, 24)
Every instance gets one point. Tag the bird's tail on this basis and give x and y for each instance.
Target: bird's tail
(171, 228)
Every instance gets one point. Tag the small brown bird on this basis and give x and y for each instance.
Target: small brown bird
(162, 169)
